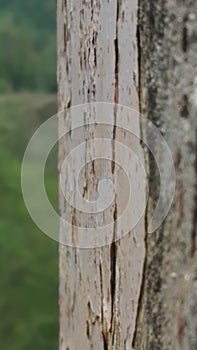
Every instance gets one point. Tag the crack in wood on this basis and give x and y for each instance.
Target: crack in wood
(194, 225)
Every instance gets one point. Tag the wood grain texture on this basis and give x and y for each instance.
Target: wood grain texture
(98, 61)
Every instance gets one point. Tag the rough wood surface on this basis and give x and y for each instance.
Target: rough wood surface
(98, 50)
(168, 74)
(99, 288)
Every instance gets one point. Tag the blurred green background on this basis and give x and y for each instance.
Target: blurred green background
(28, 259)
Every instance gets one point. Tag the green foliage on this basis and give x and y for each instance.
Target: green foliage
(28, 259)
(28, 54)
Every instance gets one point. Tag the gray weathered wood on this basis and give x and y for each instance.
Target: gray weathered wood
(99, 288)
(168, 69)
(116, 296)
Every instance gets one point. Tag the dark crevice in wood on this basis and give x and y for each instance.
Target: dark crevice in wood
(184, 35)
(88, 329)
(184, 111)
(113, 255)
(65, 25)
(105, 344)
(113, 248)
(116, 67)
(116, 81)
(194, 226)
(142, 289)
(101, 288)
